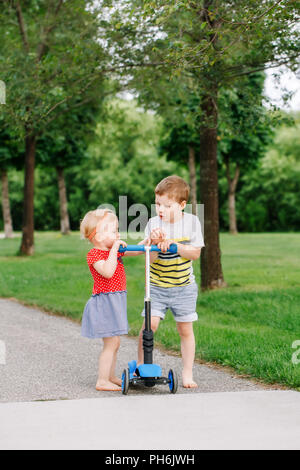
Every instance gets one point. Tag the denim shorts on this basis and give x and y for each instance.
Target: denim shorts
(182, 302)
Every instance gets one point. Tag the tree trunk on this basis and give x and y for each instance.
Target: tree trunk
(193, 179)
(8, 226)
(27, 245)
(232, 184)
(211, 268)
(64, 215)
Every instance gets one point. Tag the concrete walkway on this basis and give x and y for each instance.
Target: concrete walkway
(232, 420)
(48, 398)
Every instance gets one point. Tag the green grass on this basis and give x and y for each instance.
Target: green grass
(249, 326)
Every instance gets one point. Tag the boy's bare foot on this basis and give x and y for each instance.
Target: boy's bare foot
(107, 386)
(116, 381)
(188, 382)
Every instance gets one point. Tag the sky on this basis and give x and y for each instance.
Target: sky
(290, 82)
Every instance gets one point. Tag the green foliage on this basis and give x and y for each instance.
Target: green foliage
(245, 125)
(50, 62)
(121, 160)
(11, 150)
(64, 142)
(124, 158)
(270, 195)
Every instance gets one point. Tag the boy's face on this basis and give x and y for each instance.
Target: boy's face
(168, 210)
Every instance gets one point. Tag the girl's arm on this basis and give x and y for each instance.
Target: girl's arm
(107, 268)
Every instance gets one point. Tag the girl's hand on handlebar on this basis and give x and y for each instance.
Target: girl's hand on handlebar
(119, 243)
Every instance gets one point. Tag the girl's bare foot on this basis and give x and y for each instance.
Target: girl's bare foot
(116, 381)
(188, 382)
(107, 386)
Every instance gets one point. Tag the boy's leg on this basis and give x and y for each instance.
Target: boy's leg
(187, 337)
(106, 362)
(154, 326)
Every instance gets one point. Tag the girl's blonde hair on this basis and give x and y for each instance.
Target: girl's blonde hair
(91, 220)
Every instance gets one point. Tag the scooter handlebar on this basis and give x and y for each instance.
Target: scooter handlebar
(172, 249)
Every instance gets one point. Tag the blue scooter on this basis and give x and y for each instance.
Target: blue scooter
(148, 374)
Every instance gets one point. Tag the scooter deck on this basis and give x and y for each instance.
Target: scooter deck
(144, 370)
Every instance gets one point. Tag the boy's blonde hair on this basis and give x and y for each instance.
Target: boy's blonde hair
(174, 187)
(91, 220)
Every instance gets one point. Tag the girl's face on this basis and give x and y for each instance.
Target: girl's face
(108, 231)
(168, 210)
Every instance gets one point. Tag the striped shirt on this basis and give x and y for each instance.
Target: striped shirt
(170, 270)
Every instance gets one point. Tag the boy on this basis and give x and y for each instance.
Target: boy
(172, 281)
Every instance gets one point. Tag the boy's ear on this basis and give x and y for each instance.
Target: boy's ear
(183, 205)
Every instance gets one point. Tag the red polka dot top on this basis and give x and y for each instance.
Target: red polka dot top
(101, 284)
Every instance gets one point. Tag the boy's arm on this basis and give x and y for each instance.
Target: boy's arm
(188, 251)
(185, 251)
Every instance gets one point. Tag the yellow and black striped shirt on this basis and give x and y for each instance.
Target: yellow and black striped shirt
(170, 270)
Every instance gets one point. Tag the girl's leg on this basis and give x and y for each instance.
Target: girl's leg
(187, 337)
(106, 360)
(112, 376)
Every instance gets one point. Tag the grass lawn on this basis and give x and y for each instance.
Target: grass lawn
(249, 326)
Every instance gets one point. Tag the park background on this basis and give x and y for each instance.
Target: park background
(104, 99)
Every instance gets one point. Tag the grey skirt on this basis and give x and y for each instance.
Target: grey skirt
(105, 315)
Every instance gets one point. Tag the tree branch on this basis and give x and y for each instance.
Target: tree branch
(259, 68)
(46, 32)
(22, 26)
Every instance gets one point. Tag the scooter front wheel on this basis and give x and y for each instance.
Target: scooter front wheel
(125, 381)
(173, 384)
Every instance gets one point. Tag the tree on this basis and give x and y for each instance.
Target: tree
(10, 153)
(245, 129)
(216, 42)
(51, 58)
(64, 144)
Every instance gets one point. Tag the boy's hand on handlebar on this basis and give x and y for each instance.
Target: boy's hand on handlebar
(165, 245)
(157, 236)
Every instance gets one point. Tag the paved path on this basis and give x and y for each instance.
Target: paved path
(232, 420)
(47, 359)
(48, 399)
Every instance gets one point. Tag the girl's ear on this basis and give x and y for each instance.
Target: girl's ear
(183, 205)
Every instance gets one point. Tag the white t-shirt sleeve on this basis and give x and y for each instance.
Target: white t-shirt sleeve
(196, 238)
(147, 229)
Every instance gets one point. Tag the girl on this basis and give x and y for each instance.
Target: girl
(105, 314)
